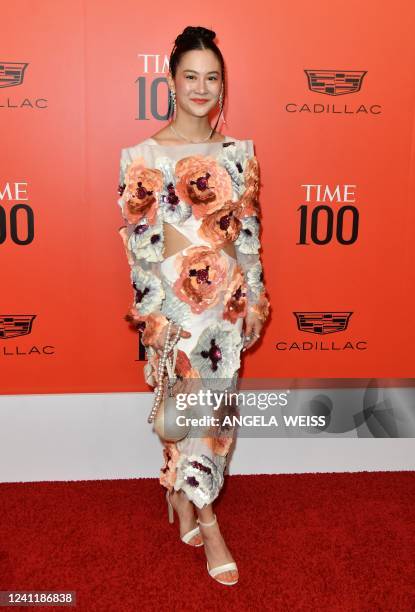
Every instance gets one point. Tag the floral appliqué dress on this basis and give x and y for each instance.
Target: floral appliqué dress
(209, 193)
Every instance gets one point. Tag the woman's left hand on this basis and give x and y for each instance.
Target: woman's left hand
(253, 326)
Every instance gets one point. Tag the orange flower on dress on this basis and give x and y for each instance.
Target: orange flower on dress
(151, 368)
(221, 226)
(236, 296)
(202, 183)
(247, 204)
(202, 276)
(151, 324)
(261, 307)
(155, 324)
(133, 316)
(142, 185)
(168, 472)
(218, 443)
(251, 174)
(184, 367)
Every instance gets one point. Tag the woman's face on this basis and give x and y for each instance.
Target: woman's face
(198, 76)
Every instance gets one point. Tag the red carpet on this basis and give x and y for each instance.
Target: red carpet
(304, 542)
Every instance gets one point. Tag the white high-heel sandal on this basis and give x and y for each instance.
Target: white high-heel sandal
(227, 567)
(190, 534)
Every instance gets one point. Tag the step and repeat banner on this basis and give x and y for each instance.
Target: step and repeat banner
(327, 93)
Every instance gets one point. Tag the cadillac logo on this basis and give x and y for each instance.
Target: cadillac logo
(322, 322)
(12, 326)
(11, 73)
(335, 82)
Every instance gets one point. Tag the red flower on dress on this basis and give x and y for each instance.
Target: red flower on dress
(202, 183)
(142, 185)
(202, 276)
(236, 296)
(221, 226)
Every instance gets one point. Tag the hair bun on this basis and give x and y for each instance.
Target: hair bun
(195, 32)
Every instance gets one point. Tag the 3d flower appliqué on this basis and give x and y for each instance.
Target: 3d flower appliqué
(140, 193)
(147, 241)
(235, 298)
(123, 231)
(202, 276)
(217, 353)
(149, 291)
(184, 367)
(168, 471)
(202, 183)
(199, 477)
(243, 170)
(255, 279)
(173, 209)
(251, 176)
(248, 204)
(233, 158)
(155, 323)
(173, 308)
(221, 226)
(248, 239)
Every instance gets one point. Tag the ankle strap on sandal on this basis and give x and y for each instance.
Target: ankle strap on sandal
(207, 524)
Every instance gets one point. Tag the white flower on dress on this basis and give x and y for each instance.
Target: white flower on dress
(149, 291)
(233, 158)
(254, 279)
(216, 355)
(147, 241)
(176, 310)
(173, 210)
(248, 238)
(199, 477)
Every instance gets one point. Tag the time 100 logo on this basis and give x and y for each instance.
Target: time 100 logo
(150, 92)
(18, 222)
(321, 224)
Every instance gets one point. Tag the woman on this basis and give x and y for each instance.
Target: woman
(189, 197)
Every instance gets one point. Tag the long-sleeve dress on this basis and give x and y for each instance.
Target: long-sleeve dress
(209, 193)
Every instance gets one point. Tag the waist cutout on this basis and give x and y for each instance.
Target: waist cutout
(175, 241)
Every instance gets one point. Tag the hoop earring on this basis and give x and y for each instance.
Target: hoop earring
(221, 106)
(173, 97)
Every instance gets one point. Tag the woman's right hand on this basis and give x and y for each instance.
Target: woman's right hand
(160, 341)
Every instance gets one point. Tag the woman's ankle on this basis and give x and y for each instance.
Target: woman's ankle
(208, 523)
(181, 503)
(210, 533)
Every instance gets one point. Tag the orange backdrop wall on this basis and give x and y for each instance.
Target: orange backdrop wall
(327, 92)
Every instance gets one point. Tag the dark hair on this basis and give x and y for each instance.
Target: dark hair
(195, 38)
